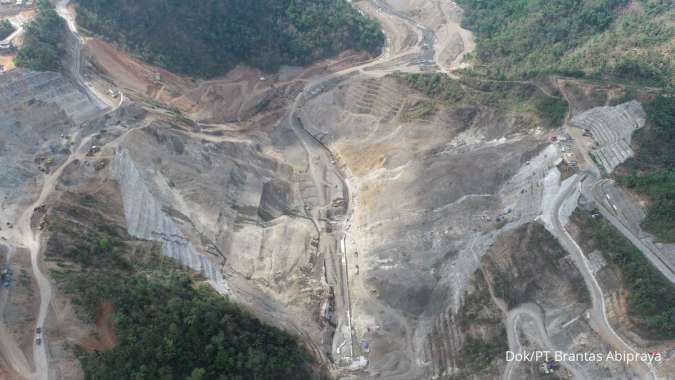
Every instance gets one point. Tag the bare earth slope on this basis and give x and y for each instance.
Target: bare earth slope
(398, 236)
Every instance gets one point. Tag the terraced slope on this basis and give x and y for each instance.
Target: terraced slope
(612, 129)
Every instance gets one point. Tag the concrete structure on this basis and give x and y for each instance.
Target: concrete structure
(611, 128)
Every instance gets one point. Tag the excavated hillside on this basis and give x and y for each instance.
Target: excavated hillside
(254, 211)
(398, 229)
(430, 194)
(39, 129)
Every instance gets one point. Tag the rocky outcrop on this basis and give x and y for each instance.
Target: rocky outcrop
(276, 200)
(20, 86)
(146, 220)
(529, 265)
(40, 112)
(429, 196)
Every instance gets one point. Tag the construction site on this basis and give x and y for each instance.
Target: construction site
(395, 235)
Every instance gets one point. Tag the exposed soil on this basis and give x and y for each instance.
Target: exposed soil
(237, 96)
(528, 265)
(7, 61)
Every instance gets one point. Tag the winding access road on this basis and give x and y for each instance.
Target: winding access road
(609, 208)
(597, 314)
(535, 313)
(76, 43)
(322, 164)
(25, 235)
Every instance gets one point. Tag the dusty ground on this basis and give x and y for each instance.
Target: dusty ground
(232, 98)
(7, 62)
(406, 262)
(13, 10)
(18, 304)
(382, 211)
(453, 42)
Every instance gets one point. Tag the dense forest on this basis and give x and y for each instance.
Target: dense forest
(6, 28)
(167, 327)
(652, 171)
(207, 38)
(43, 43)
(600, 38)
(168, 323)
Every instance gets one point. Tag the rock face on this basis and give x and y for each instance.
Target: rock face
(146, 220)
(233, 198)
(528, 265)
(226, 204)
(276, 199)
(531, 275)
(430, 195)
(612, 128)
(470, 341)
(20, 86)
(39, 114)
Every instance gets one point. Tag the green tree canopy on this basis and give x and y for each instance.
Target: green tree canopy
(43, 45)
(209, 37)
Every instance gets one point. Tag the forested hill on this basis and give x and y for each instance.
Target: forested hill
(625, 39)
(206, 38)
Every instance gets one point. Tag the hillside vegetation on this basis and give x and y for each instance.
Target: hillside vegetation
(653, 168)
(6, 28)
(506, 97)
(168, 324)
(625, 40)
(651, 298)
(208, 38)
(43, 44)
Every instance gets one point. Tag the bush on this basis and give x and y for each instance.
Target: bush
(436, 85)
(661, 125)
(506, 96)
(551, 109)
(169, 328)
(6, 28)
(168, 323)
(636, 70)
(659, 186)
(654, 164)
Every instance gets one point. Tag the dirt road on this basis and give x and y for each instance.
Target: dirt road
(8, 346)
(25, 235)
(30, 239)
(534, 312)
(418, 57)
(18, 22)
(323, 164)
(597, 314)
(74, 44)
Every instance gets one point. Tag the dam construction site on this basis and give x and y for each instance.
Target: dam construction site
(397, 216)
